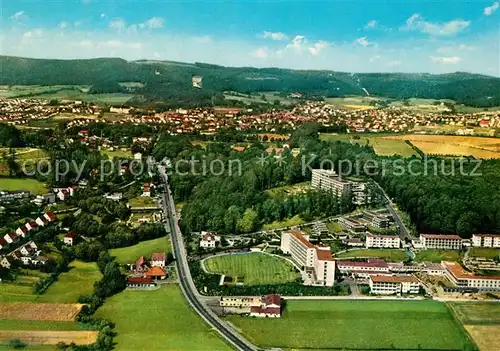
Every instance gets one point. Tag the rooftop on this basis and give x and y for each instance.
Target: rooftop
(459, 273)
(393, 279)
(302, 239)
(441, 236)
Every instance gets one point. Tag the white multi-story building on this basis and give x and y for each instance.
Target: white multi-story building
(316, 260)
(209, 240)
(394, 284)
(363, 269)
(436, 241)
(330, 181)
(464, 280)
(486, 240)
(383, 241)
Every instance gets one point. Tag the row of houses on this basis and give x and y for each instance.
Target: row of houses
(26, 254)
(27, 228)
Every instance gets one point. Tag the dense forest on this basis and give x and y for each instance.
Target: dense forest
(171, 82)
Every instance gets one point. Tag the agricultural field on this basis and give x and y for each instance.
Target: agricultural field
(380, 143)
(270, 97)
(130, 254)
(79, 280)
(451, 145)
(39, 311)
(17, 291)
(386, 254)
(290, 222)
(158, 320)
(18, 184)
(363, 325)
(483, 252)
(354, 102)
(255, 268)
(481, 320)
(437, 256)
(49, 337)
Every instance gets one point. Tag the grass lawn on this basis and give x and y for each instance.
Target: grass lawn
(368, 325)
(284, 191)
(121, 154)
(481, 320)
(334, 227)
(483, 252)
(256, 268)
(131, 253)
(26, 184)
(157, 320)
(438, 255)
(391, 255)
(141, 201)
(12, 292)
(79, 280)
(290, 222)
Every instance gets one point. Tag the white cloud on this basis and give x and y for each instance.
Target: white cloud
(371, 24)
(117, 24)
(275, 35)
(63, 25)
(77, 23)
(103, 15)
(416, 22)
(363, 42)
(394, 63)
(261, 53)
(375, 58)
(204, 39)
(488, 11)
(320, 45)
(446, 60)
(153, 23)
(297, 42)
(18, 16)
(35, 33)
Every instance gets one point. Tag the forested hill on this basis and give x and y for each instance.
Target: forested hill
(172, 80)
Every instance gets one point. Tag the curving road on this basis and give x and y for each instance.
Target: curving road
(186, 281)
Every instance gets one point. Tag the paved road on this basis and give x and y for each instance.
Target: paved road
(186, 281)
(404, 233)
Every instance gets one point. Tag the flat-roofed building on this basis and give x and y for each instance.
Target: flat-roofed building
(363, 269)
(377, 220)
(352, 224)
(486, 240)
(465, 280)
(329, 180)
(393, 284)
(437, 241)
(316, 260)
(383, 241)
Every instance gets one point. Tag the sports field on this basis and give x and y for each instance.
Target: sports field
(158, 320)
(484, 252)
(481, 320)
(454, 145)
(255, 268)
(357, 325)
(390, 255)
(19, 184)
(381, 145)
(130, 254)
(438, 255)
(79, 280)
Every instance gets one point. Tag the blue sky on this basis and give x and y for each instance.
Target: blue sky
(355, 36)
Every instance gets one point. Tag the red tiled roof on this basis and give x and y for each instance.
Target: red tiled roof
(270, 310)
(382, 236)
(51, 215)
(441, 236)
(141, 261)
(156, 272)
(487, 235)
(393, 279)
(302, 239)
(3, 242)
(324, 255)
(381, 264)
(13, 235)
(70, 235)
(158, 256)
(272, 299)
(459, 273)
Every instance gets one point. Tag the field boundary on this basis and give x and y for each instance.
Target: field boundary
(461, 325)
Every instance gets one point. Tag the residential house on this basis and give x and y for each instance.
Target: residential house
(22, 230)
(270, 307)
(6, 262)
(156, 273)
(3, 243)
(209, 240)
(158, 259)
(50, 216)
(10, 237)
(69, 239)
(141, 265)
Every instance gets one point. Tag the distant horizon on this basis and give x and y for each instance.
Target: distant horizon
(228, 66)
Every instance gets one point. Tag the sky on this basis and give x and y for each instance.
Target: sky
(435, 36)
